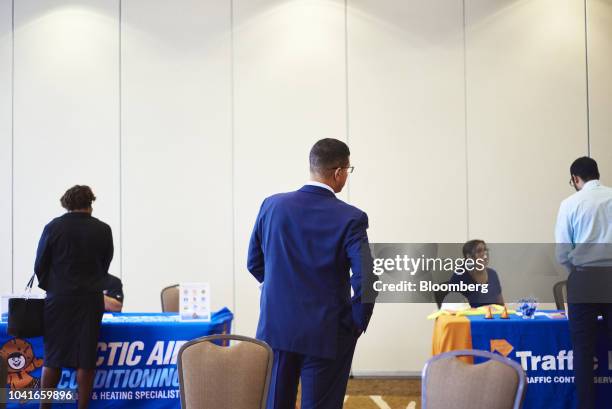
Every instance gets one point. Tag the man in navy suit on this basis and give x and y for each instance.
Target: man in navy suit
(302, 249)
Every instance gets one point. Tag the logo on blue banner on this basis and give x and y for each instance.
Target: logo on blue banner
(21, 361)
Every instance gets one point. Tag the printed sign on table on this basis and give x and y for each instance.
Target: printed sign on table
(194, 301)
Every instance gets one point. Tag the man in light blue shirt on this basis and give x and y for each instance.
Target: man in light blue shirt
(584, 239)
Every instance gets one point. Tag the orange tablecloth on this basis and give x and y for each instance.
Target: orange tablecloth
(451, 333)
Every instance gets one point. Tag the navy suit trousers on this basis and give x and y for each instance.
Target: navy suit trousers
(323, 380)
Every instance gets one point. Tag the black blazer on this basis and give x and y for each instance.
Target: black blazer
(74, 253)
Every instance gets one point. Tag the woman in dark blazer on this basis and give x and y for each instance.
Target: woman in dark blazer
(74, 253)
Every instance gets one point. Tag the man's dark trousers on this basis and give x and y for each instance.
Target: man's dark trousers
(324, 380)
(588, 284)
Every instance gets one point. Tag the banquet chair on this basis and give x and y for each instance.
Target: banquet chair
(170, 298)
(446, 297)
(3, 377)
(448, 382)
(219, 377)
(560, 293)
(439, 297)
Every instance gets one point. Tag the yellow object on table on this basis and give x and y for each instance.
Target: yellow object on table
(452, 329)
(495, 309)
(452, 333)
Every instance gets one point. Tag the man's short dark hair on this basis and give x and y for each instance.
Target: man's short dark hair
(585, 168)
(328, 154)
(77, 197)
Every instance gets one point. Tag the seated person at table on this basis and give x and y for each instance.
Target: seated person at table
(477, 249)
(113, 294)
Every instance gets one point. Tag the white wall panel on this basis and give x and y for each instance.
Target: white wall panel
(407, 135)
(6, 277)
(66, 115)
(146, 120)
(600, 84)
(177, 181)
(289, 92)
(526, 114)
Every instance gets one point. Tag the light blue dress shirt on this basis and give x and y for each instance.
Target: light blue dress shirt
(584, 227)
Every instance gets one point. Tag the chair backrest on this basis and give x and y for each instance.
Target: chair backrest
(443, 297)
(560, 293)
(3, 380)
(170, 298)
(218, 377)
(449, 382)
(439, 297)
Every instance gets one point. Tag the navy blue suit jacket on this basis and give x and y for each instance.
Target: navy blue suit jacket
(302, 249)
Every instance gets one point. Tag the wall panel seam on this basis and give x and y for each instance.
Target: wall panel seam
(233, 156)
(346, 90)
(586, 63)
(465, 126)
(120, 137)
(12, 146)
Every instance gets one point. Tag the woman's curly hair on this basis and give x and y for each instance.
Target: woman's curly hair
(77, 197)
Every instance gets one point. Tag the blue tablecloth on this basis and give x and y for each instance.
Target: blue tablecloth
(544, 349)
(137, 355)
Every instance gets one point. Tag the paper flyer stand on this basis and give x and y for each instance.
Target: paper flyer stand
(194, 302)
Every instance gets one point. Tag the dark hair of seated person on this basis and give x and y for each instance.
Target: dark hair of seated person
(469, 248)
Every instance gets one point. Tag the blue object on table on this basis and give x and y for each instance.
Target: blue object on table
(527, 307)
(136, 359)
(544, 349)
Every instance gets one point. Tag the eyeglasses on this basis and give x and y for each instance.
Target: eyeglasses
(349, 169)
(484, 251)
